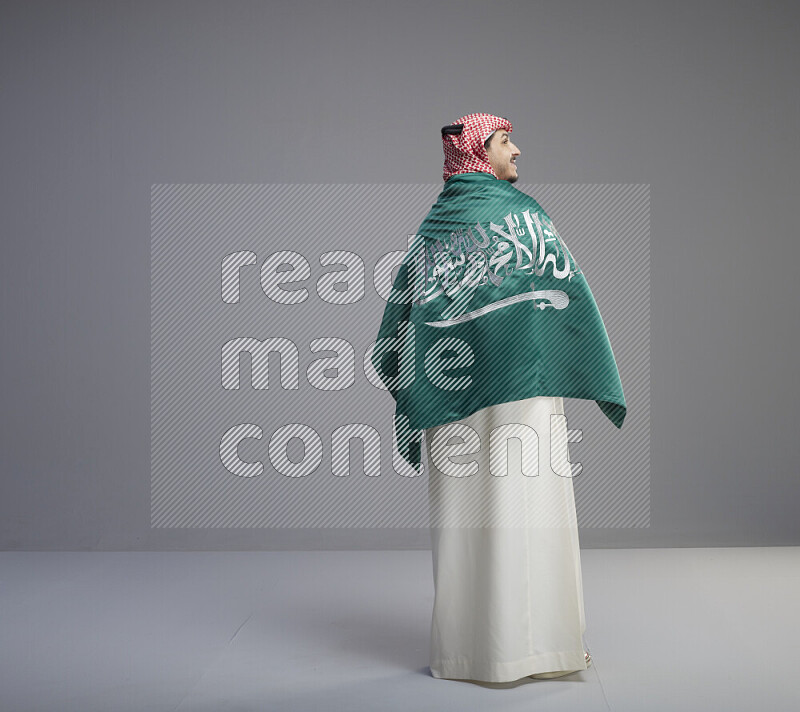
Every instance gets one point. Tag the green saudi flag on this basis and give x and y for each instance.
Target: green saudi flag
(489, 306)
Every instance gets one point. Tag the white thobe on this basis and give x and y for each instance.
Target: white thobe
(506, 556)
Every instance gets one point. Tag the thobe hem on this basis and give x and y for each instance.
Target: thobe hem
(469, 668)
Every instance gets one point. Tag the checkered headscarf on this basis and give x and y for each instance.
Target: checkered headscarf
(464, 151)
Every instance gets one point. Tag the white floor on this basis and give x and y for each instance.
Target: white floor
(669, 629)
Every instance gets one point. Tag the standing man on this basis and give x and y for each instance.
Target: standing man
(493, 324)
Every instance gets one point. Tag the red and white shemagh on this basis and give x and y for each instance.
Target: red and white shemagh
(464, 153)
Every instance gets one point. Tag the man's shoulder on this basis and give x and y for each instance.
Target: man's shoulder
(487, 200)
(515, 191)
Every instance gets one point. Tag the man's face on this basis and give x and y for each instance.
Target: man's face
(503, 155)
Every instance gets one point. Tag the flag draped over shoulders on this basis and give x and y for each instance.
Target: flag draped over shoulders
(489, 306)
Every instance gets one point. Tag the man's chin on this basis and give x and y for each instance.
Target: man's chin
(512, 179)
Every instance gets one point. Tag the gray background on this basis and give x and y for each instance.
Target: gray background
(102, 100)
